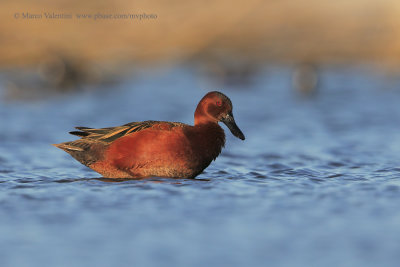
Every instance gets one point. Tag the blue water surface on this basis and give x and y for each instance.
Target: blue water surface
(315, 183)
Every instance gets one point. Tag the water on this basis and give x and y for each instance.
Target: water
(315, 183)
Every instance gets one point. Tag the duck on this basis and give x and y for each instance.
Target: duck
(157, 148)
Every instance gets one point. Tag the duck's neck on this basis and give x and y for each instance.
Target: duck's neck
(210, 139)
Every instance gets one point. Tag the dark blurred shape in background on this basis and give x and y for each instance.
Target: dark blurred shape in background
(305, 79)
(224, 69)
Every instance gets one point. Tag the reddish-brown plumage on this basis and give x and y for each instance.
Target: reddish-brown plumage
(157, 148)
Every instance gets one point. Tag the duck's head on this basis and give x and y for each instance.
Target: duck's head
(215, 107)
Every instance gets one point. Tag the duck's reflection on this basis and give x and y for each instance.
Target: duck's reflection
(156, 180)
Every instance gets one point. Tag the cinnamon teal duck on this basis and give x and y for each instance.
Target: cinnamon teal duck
(157, 148)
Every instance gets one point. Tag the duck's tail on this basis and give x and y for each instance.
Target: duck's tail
(85, 151)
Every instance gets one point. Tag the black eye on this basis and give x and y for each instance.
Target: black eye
(219, 103)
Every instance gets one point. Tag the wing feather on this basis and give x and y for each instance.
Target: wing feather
(110, 134)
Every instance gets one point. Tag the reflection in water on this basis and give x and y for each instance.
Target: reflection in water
(121, 180)
(152, 180)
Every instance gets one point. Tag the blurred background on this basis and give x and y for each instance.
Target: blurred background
(315, 87)
(228, 41)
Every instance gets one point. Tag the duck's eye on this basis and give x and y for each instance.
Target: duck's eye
(219, 103)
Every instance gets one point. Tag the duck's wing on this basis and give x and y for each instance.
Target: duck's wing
(110, 134)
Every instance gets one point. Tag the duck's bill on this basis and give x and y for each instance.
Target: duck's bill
(229, 121)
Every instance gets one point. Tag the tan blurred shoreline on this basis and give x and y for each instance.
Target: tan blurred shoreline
(252, 31)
